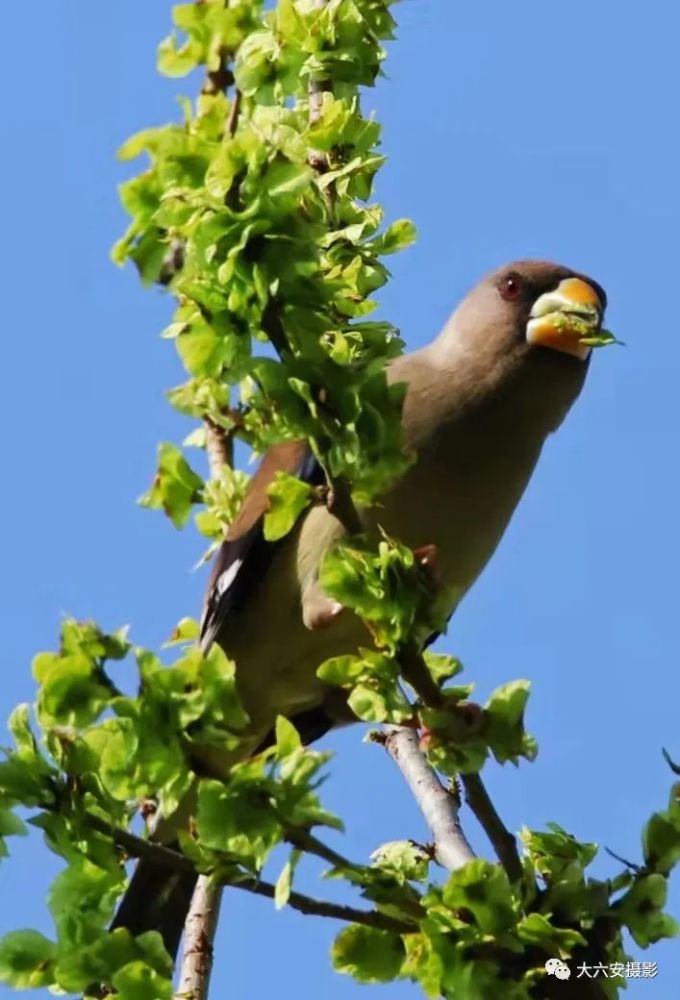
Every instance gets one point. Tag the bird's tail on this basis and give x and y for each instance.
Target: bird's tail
(157, 899)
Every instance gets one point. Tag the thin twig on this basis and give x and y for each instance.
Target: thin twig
(628, 864)
(137, 847)
(438, 806)
(305, 841)
(503, 842)
(218, 80)
(199, 937)
(415, 672)
(321, 908)
(208, 888)
(219, 445)
(341, 506)
(675, 768)
(234, 112)
(272, 324)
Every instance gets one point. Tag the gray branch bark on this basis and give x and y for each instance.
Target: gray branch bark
(439, 806)
(199, 937)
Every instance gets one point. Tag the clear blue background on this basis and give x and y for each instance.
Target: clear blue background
(513, 130)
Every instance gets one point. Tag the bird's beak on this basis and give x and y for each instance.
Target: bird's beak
(566, 318)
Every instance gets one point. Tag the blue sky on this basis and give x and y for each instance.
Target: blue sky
(513, 130)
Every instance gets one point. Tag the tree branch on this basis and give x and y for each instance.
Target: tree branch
(321, 908)
(415, 672)
(438, 806)
(503, 842)
(137, 847)
(202, 920)
(219, 445)
(199, 937)
(303, 840)
(272, 325)
(341, 506)
(234, 112)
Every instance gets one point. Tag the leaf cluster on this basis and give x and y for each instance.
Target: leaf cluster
(255, 211)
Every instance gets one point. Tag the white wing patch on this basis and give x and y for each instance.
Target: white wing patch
(225, 580)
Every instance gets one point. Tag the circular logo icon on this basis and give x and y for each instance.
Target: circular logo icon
(555, 967)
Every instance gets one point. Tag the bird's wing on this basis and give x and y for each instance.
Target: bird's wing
(245, 555)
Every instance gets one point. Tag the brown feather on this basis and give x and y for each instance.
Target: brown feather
(287, 456)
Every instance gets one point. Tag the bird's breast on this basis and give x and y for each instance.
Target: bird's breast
(459, 496)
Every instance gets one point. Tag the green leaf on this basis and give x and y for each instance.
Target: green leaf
(442, 666)
(19, 725)
(223, 496)
(553, 851)
(661, 838)
(404, 859)
(237, 819)
(201, 349)
(287, 738)
(536, 929)
(367, 954)
(82, 899)
(379, 703)
(73, 691)
(174, 60)
(137, 981)
(137, 144)
(176, 487)
(385, 588)
(26, 960)
(483, 890)
(186, 631)
(284, 882)
(640, 910)
(288, 497)
(367, 704)
(399, 235)
(505, 722)
(21, 781)
(375, 694)
(99, 961)
(343, 671)
(287, 178)
(11, 825)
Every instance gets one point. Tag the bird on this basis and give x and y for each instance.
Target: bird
(481, 399)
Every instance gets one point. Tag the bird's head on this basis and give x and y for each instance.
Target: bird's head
(525, 329)
(534, 304)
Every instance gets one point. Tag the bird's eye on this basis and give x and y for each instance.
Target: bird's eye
(511, 287)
